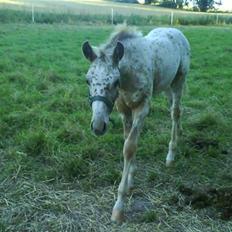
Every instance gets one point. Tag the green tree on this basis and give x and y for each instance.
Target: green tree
(172, 3)
(205, 5)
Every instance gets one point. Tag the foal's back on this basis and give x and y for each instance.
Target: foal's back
(165, 37)
(170, 51)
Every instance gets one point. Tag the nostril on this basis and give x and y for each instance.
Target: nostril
(98, 131)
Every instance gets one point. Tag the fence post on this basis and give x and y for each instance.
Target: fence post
(32, 14)
(172, 16)
(112, 16)
(217, 19)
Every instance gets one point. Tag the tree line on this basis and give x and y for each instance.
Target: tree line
(198, 5)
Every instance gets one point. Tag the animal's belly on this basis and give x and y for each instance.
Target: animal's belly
(164, 75)
(161, 86)
(161, 83)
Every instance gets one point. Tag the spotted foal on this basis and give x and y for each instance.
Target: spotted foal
(127, 70)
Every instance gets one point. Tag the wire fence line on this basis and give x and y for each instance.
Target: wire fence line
(111, 15)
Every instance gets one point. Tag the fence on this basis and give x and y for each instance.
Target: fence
(112, 15)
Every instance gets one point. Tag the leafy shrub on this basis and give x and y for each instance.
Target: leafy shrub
(168, 4)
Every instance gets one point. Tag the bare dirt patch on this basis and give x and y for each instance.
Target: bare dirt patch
(219, 199)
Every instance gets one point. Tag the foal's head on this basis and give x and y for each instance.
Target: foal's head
(103, 81)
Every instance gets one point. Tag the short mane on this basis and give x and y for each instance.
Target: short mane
(122, 32)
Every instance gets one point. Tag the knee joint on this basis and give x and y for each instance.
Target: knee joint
(129, 149)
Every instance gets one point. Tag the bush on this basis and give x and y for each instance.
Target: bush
(168, 4)
(196, 8)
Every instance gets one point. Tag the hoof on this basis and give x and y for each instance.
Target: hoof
(169, 163)
(117, 217)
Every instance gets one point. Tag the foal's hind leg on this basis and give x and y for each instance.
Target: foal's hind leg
(175, 116)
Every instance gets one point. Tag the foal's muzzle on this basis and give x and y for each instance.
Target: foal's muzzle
(98, 131)
(101, 107)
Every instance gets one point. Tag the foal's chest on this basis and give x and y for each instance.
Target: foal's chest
(132, 99)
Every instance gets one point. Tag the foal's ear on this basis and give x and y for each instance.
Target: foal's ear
(88, 51)
(118, 53)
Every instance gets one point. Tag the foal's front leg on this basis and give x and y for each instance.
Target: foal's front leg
(127, 124)
(129, 150)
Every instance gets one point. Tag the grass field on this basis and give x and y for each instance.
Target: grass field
(56, 176)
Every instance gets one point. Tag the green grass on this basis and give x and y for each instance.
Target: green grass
(56, 176)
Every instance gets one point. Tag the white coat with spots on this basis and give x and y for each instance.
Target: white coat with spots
(127, 70)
